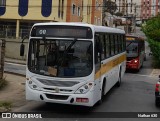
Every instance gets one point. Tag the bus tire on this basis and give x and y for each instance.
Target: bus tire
(102, 92)
(118, 84)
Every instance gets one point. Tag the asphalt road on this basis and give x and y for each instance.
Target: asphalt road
(15, 68)
(136, 94)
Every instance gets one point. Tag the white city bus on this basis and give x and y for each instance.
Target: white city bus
(73, 63)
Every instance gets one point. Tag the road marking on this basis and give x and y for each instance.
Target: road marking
(15, 64)
(150, 76)
(155, 73)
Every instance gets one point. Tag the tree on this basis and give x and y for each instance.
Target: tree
(110, 6)
(119, 14)
(152, 30)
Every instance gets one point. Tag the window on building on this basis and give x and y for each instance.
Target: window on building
(97, 4)
(62, 10)
(82, 5)
(88, 9)
(59, 4)
(79, 11)
(2, 2)
(73, 9)
(23, 8)
(99, 21)
(95, 20)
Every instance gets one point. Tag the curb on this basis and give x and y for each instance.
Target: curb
(17, 74)
(15, 62)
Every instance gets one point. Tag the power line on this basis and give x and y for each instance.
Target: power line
(84, 6)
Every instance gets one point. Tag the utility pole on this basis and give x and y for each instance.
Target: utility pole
(135, 12)
(126, 17)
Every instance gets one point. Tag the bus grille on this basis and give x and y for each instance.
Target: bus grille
(61, 90)
(58, 83)
(57, 97)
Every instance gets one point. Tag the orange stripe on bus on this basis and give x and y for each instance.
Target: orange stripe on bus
(109, 65)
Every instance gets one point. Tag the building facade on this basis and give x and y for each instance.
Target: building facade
(74, 10)
(121, 6)
(146, 12)
(157, 9)
(149, 8)
(87, 11)
(17, 16)
(96, 12)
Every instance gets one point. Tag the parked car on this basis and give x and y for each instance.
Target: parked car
(157, 93)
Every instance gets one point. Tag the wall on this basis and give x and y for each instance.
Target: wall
(33, 5)
(12, 49)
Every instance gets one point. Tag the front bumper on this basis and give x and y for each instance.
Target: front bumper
(132, 66)
(157, 95)
(58, 97)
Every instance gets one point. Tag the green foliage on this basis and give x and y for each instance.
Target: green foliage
(155, 48)
(110, 6)
(119, 14)
(5, 106)
(152, 31)
(152, 28)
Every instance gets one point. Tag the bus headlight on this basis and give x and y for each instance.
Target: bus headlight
(84, 89)
(33, 85)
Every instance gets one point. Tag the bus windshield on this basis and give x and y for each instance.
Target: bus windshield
(60, 57)
(132, 48)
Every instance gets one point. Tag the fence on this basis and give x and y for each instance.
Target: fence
(9, 31)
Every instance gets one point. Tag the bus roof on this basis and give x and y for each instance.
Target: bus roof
(95, 28)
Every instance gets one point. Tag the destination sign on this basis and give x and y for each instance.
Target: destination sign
(130, 38)
(62, 31)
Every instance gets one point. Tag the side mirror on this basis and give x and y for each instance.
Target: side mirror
(22, 47)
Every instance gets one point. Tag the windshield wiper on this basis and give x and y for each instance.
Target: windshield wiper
(68, 48)
(129, 44)
(61, 59)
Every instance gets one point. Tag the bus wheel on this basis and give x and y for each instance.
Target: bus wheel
(102, 93)
(118, 84)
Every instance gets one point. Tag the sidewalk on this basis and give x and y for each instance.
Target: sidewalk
(10, 60)
(155, 73)
(14, 92)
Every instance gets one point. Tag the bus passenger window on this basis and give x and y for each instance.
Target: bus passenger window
(108, 51)
(98, 50)
(112, 45)
(103, 48)
(116, 44)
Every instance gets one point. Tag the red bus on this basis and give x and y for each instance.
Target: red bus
(135, 47)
